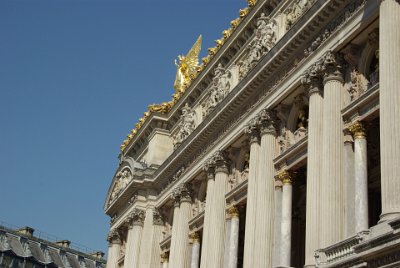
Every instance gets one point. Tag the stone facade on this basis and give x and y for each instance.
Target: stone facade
(282, 151)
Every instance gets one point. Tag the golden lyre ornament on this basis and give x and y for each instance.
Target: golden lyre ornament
(187, 67)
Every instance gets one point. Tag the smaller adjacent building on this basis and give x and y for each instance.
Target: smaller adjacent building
(20, 249)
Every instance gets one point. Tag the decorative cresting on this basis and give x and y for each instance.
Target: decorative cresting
(123, 178)
(113, 237)
(185, 77)
(186, 125)
(220, 87)
(136, 217)
(157, 218)
(296, 10)
(264, 39)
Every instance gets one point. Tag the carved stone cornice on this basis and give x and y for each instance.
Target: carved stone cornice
(113, 237)
(136, 217)
(268, 122)
(285, 176)
(357, 130)
(333, 65)
(252, 130)
(157, 218)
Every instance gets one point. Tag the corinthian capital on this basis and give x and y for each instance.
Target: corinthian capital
(312, 78)
(185, 192)
(333, 65)
(157, 218)
(252, 129)
(268, 121)
(113, 237)
(221, 161)
(136, 217)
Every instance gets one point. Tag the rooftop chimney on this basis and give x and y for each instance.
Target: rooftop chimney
(28, 231)
(97, 254)
(63, 243)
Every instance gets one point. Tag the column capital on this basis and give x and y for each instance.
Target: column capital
(113, 237)
(176, 197)
(194, 237)
(233, 212)
(332, 66)
(285, 176)
(268, 122)
(252, 130)
(157, 218)
(136, 217)
(209, 168)
(357, 129)
(221, 161)
(185, 192)
(312, 78)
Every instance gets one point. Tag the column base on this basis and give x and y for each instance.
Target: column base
(389, 216)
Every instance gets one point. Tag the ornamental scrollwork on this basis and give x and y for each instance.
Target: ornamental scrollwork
(186, 125)
(123, 178)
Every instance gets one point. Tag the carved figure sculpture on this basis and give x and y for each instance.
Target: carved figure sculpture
(185, 126)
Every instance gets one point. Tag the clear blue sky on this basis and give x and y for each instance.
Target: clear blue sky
(75, 75)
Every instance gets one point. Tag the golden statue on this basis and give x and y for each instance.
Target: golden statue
(187, 67)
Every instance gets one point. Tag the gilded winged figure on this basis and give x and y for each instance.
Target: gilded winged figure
(187, 66)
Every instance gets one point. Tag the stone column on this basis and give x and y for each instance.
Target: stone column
(174, 233)
(135, 226)
(114, 247)
(286, 223)
(158, 226)
(360, 178)
(146, 239)
(331, 216)
(217, 221)
(389, 108)
(233, 237)
(349, 183)
(313, 84)
(164, 259)
(251, 207)
(227, 239)
(182, 240)
(195, 239)
(277, 223)
(263, 250)
(209, 169)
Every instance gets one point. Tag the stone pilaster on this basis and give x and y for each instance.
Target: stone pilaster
(158, 226)
(133, 244)
(277, 223)
(195, 240)
(389, 55)
(114, 246)
(264, 232)
(176, 198)
(313, 84)
(217, 221)
(251, 207)
(233, 214)
(209, 169)
(286, 223)
(331, 216)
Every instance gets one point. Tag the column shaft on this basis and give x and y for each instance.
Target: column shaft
(182, 241)
(206, 226)
(195, 262)
(227, 240)
(389, 55)
(217, 221)
(113, 255)
(350, 185)
(158, 226)
(263, 250)
(331, 217)
(277, 224)
(132, 249)
(313, 172)
(286, 229)
(233, 240)
(174, 234)
(146, 240)
(251, 206)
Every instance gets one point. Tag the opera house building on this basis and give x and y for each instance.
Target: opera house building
(280, 148)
